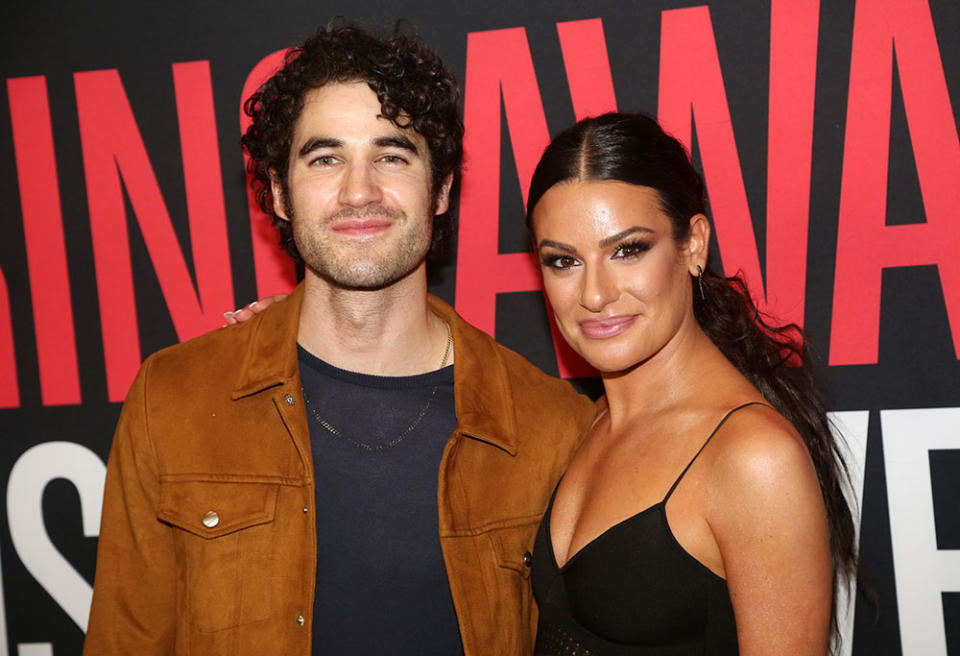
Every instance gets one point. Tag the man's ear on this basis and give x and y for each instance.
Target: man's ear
(279, 201)
(443, 195)
(698, 242)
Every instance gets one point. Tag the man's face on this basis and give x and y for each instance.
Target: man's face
(359, 190)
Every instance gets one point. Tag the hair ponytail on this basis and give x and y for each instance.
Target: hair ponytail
(777, 361)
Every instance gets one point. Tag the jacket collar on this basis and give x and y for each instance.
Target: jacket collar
(271, 357)
(481, 384)
(482, 387)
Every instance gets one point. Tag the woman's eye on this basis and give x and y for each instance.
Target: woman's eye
(626, 251)
(559, 261)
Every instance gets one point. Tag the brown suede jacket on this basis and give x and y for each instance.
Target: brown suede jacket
(208, 544)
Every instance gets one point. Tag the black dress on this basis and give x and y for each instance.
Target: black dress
(631, 591)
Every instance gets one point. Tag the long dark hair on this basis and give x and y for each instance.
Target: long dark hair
(633, 148)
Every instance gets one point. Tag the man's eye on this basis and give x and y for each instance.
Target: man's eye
(392, 159)
(324, 160)
(632, 249)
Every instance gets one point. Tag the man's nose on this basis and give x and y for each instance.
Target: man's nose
(359, 186)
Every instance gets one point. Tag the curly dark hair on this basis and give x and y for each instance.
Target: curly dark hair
(413, 87)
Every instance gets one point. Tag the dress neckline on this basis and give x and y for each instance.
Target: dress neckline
(553, 554)
(661, 505)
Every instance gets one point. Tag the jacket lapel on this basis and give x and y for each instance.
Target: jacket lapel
(482, 389)
(270, 367)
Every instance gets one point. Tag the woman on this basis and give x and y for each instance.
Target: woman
(703, 512)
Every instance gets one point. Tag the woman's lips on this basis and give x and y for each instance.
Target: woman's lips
(606, 328)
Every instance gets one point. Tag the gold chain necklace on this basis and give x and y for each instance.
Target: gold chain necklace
(402, 436)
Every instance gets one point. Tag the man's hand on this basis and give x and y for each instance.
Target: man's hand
(247, 312)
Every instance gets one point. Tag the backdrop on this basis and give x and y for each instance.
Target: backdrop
(827, 133)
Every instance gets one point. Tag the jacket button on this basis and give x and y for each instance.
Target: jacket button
(527, 558)
(289, 399)
(211, 519)
(300, 620)
(305, 510)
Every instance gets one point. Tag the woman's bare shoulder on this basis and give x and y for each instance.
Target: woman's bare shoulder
(757, 451)
(766, 512)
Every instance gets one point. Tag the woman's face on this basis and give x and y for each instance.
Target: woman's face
(618, 282)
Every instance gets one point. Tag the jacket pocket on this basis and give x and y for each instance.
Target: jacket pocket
(213, 509)
(514, 617)
(514, 547)
(220, 524)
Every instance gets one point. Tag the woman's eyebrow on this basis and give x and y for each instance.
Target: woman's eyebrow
(558, 245)
(613, 239)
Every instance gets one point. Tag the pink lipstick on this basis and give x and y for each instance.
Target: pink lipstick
(607, 328)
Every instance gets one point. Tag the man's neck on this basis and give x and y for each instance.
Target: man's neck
(384, 332)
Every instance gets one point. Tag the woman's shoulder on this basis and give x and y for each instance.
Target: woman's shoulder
(756, 451)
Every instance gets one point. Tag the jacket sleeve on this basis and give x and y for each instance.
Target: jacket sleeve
(135, 589)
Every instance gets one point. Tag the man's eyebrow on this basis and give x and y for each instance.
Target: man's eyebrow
(397, 141)
(560, 246)
(613, 239)
(316, 143)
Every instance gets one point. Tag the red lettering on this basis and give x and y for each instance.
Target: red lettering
(9, 388)
(691, 83)
(498, 59)
(691, 86)
(113, 147)
(865, 244)
(43, 234)
(495, 59)
(585, 59)
(499, 62)
(203, 183)
(793, 72)
(274, 269)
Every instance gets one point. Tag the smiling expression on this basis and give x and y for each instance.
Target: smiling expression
(359, 190)
(618, 283)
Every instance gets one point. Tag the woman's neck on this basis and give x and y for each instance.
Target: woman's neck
(670, 377)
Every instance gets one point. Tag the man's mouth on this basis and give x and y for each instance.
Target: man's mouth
(361, 227)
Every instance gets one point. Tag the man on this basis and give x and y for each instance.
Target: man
(356, 469)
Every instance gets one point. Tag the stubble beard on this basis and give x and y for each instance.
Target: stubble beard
(359, 269)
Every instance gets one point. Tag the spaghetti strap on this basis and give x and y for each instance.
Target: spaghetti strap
(710, 437)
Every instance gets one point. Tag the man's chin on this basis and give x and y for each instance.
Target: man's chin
(365, 279)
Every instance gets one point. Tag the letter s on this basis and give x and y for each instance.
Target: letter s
(28, 479)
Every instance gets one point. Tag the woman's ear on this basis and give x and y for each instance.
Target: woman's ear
(698, 243)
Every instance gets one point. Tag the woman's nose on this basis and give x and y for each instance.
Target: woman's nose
(598, 290)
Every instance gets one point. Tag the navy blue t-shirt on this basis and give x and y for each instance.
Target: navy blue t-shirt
(377, 443)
